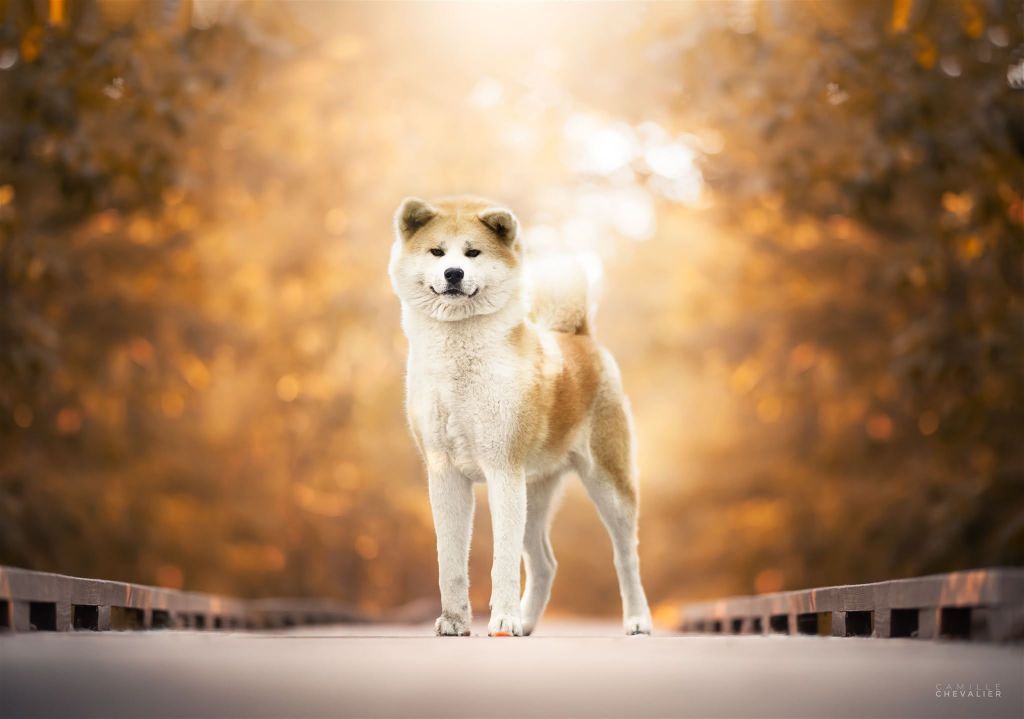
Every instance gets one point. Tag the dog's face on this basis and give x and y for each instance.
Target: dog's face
(455, 257)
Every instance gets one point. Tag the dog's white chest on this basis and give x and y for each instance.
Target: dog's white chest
(460, 444)
(463, 410)
(450, 420)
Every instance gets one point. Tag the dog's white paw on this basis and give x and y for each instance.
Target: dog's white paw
(450, 625)
(505, 625)
(637, 625)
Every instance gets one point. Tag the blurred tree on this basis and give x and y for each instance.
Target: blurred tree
(164, 410)
(872, 165)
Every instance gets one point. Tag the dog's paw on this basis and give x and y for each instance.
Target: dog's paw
(505, 625)
(637, 625)
(450, 625)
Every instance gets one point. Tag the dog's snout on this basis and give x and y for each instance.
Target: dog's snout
(454, 275)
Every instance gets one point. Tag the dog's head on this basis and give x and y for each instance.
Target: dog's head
(455, 257)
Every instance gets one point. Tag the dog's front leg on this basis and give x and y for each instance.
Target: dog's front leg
(506, 493)
(451, 502)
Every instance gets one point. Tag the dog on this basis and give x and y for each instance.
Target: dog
(506, 385)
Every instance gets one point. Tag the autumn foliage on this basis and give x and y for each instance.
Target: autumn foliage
(811, 222)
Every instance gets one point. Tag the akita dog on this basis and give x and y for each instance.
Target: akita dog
(507, 386)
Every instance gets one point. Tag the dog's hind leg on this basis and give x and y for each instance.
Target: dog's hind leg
(618, 512)
(608, 479)
(540, 560)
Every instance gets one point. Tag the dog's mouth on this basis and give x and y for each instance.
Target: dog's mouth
(454, 292)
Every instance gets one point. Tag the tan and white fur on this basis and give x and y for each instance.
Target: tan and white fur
(506, 385)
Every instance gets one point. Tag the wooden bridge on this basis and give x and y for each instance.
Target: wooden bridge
(777, 655)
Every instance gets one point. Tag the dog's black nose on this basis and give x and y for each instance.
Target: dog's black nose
(454, 275)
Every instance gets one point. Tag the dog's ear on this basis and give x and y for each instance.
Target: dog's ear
(502, 223)
(411, 215)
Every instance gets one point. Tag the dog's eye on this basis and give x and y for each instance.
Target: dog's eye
(472, 253)
(437, 252)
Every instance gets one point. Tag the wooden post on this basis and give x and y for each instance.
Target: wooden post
(838, 624)
(103, 618)
(928, 623)
(1005, 624)
(20, 612)
(63, 623)
(881, 626)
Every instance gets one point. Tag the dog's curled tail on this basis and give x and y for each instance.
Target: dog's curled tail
(562, 292)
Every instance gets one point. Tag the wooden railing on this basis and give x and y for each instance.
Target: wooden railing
(43, 601)
(981, 604)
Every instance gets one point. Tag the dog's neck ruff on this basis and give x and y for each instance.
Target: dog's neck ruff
(471, 339)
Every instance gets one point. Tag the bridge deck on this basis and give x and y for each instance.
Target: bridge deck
(567, 669)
